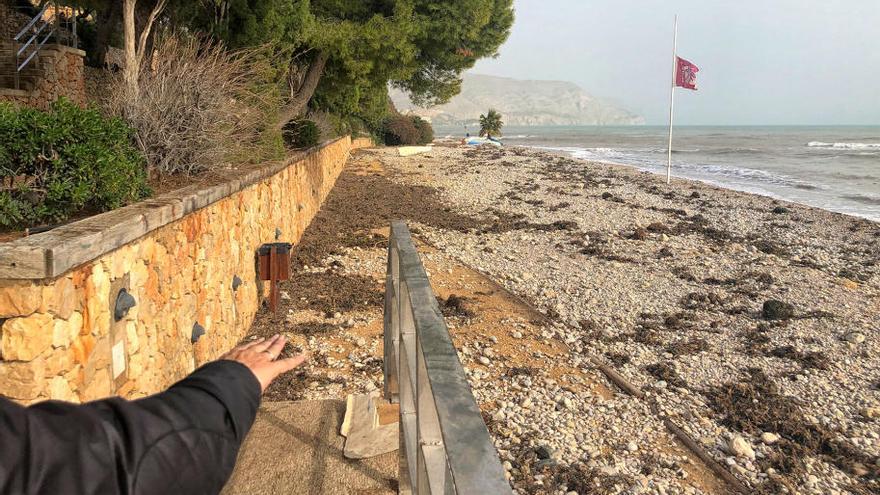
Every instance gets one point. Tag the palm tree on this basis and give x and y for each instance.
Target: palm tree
(491, 124)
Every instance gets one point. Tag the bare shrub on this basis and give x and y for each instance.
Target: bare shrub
(199, 106)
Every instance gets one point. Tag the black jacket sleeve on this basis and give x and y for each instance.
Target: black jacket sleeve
(184, 440)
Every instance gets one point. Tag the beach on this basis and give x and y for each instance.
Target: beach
(748, 322)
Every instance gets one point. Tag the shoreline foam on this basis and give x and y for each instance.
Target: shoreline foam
(749, 189)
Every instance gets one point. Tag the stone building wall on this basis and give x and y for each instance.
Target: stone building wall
(59, 338)
(61, 73)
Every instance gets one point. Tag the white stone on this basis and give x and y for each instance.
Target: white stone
(741, 448)
(769, 438)
(855, 338)
(871, 412)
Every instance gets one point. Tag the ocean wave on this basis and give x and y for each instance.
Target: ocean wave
(864, 199)
(844, 146)
(728, 172)
(517, 136)
(752, 174)
(716, 151)
(736, 151)
(841, 176)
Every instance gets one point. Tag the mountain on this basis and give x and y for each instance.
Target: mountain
(521, 103)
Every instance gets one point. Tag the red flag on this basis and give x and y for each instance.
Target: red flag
(686, 74)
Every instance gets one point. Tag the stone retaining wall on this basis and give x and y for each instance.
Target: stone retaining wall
(62, 74)
(177, 255)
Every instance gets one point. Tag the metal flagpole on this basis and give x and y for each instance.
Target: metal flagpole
(672, 99)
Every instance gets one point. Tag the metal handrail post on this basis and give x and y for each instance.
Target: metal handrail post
(17, 75)
(57, 23)
(391, 324)
(75, 41)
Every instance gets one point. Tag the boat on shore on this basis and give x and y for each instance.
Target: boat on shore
(479, 141)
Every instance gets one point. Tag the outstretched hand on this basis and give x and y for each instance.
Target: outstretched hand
(261, 357)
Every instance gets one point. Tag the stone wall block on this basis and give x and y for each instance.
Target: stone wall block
(59, 362)
(120, 261)
(23, 339)
(83, 347)
(97, 387)
(60, 389)
(22, 381)
(60, 298)
(61, 334)
(97, 300)
(19, 299)
(131, 336)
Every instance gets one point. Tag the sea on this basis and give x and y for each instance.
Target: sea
(834, 168)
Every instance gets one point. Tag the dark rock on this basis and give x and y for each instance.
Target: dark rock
(777, 310)
(545, 463)
(543, 452)
(779, 210)
(695, 195)
(639, 234)
(768, 247)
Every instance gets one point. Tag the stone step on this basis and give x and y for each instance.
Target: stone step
(370, 426)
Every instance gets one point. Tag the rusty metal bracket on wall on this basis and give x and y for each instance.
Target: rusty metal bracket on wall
(273, 265)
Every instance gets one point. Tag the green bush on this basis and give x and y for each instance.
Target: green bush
(301, 133)
(399, 130)
(405, 130)
(426, 132)
(65, 161)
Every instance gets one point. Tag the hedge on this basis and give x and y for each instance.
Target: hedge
(63, 162)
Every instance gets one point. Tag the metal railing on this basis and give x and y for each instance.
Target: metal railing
(444, 444)
(30, 40)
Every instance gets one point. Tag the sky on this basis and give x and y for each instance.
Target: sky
(773, 62)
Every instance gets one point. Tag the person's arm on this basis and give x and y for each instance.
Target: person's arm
(183, 440)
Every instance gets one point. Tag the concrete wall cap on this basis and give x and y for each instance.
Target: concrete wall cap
(64, 48)
(50, 254)
(14, 92)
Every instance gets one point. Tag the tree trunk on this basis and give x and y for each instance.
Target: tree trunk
(132, 64)
(298, 102)
(135, 48)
